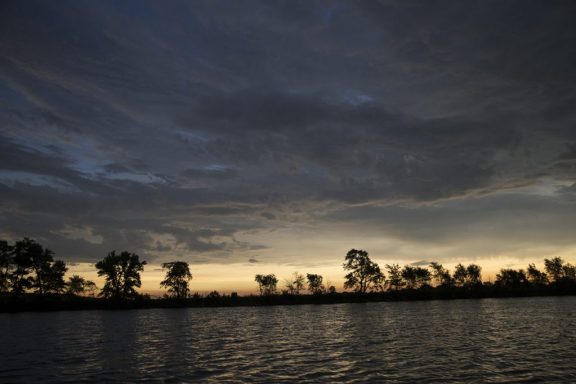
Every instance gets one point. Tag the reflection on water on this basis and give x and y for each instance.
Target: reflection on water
(506, 340)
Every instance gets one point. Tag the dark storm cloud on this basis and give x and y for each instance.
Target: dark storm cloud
(174, 127)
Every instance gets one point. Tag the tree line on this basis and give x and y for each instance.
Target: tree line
(28, 267)
(364, 275)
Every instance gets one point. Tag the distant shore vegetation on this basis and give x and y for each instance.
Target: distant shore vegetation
(32, 279)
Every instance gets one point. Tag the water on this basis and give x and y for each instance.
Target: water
(493, 340)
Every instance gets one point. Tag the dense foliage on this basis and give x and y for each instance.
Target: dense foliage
(122, 274)
(177, 277)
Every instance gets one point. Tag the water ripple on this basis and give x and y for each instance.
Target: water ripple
(473, 341)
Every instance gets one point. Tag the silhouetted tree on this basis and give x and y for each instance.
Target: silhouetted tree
(441, 275)
(122, 273)
(295, 284)
(460, 275)
(364, 274)
(467, 276)
(474, 276)
(266, 284)
(409, 276)
(415, 277)
(423, 277)
(177, 277)
(559, 271)
(77, 285)
(535, 276)
(53, 277)
(569, 272)
(394, 276)
(19, 280)
(315, 283)
(28, 265)
(90, 288)
(511, 278)
(6, 265)
(554, 268)
(41, 262)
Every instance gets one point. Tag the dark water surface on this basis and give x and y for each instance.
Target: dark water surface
(490, 340)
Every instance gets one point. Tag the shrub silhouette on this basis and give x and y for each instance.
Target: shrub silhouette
(295, 284)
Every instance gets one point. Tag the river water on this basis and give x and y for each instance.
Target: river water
(490, 340)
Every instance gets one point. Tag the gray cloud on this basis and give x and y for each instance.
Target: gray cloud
(420, 263)
(177, 128)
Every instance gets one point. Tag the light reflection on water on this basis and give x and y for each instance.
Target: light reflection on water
(505, 340)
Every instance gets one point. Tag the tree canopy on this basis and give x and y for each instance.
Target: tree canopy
(122, 274)
(28, 266)
(77, 285)
(364, 274)
(266, 284)
(315, 285)
(6, 265)
(177, 277)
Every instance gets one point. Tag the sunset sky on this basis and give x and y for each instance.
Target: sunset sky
(271, 137)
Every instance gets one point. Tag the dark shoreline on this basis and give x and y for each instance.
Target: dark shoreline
(49, 303)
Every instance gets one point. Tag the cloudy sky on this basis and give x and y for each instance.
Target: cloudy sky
(268, 137)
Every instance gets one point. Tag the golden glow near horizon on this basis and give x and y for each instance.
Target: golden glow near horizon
(307, 245)
(319, 247)
(239, 277)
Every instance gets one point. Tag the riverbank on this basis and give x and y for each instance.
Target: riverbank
(41, 303)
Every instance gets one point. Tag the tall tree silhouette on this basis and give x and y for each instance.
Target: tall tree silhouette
(295, 283)
(28, 265)
(460, 275)
(409, 276)
(41, 262)
(560, 271)
(122, 274)
(266, 284)
(569, 272)
(364, 274)
(53, 277)
(469, 276)
(395, 280)
(19, 280)
(474, 273)
(6, 265)
(177, 277)
(315, 285)
(423, 276)
(554, 268)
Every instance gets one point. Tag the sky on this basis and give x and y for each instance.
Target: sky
(273, 136)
